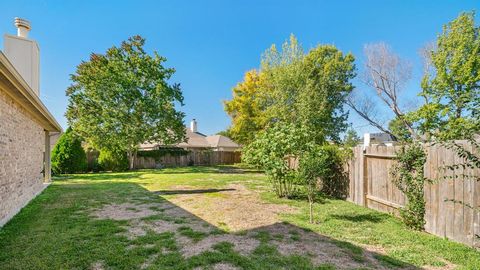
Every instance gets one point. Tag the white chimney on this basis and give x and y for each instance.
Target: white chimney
(24, 54)
(193, 126)
(23, 27)
(366, 140)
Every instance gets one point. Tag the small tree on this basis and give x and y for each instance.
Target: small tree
(271, 148)
(122, 98)
(321, 169)
(68, 155)
(311, 170)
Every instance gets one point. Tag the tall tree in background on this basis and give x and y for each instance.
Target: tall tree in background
(122, 98)
(308, 88)
(299, 98)
(451, 87)
(294, 87)
(351, 138)
(246, 108)
(386, 74)
(326, 87)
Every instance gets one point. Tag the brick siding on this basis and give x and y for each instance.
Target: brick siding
(22, 143)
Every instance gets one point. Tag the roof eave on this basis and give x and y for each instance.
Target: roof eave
(16, 87)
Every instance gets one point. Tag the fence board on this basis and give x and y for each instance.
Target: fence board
(202, 158)
(371, 185)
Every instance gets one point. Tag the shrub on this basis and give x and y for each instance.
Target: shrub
(270, 149)
(408, 175)
(335, 180)
(115, 161)
(321, 169)
(68, 155)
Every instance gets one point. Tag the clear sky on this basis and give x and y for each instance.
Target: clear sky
(212, 44)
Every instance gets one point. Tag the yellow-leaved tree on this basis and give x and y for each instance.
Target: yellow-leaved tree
(245, 108)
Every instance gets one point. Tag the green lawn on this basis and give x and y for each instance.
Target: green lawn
(208, 218)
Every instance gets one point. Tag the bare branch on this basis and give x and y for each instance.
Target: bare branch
(367, 110)
(387, 74)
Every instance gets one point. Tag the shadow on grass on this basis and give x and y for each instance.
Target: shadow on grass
(191, 191)
(370, 217)
(65, 226)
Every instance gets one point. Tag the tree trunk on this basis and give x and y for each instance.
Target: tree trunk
(131, 159)
(310, 201)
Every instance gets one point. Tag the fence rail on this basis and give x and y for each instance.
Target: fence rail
(449, 196)
(206, 158)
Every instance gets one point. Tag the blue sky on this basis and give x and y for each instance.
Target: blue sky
(212, 44)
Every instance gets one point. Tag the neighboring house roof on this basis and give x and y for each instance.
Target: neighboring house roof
(15, 86)
(197, 140)
(221, 141)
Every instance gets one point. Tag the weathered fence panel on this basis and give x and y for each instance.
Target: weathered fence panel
(205, 158)
(452, 197)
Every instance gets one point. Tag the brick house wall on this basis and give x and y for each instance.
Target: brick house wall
(22, 146)
(26, 125)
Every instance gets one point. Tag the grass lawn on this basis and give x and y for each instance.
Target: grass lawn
(208, 218)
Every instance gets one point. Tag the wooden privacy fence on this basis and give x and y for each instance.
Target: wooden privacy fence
(192, 158)
(450, 202)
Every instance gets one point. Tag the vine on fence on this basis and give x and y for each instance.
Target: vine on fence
(408, 176)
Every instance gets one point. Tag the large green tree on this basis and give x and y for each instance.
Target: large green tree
(308, 88)
(294, 87)
(123, 98)
(451, 87)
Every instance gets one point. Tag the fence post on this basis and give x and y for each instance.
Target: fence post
(365, 177)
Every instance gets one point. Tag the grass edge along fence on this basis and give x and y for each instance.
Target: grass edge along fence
(452, 198)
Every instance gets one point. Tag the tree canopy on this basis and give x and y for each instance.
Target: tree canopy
(294, 87)
(451, 86)
(122, 98)
(246, 108)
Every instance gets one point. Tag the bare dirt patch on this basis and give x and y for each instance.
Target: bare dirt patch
(224, 266)
(149, 261)
(125, 211)
(220, 266)
(319, 248)
(243, 245)
(97, 266)
(237, 208)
